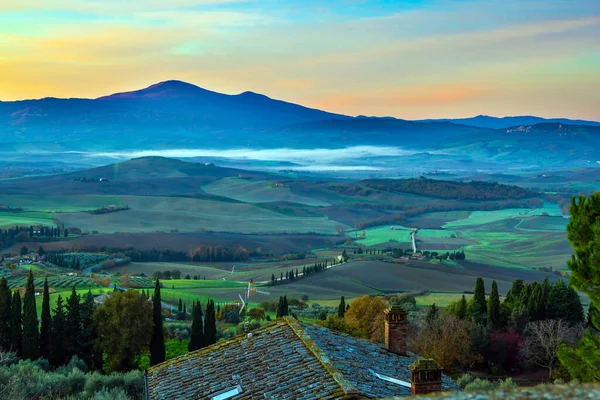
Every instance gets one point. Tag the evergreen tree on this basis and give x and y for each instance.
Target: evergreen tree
(5, 315)
(342, 308)
(543, 302)
(280, 307)
(157, 343)
(432, 313)
(286, 310)
(493, 315)
(31, 334)
(179, 306)
(575, 312)
(479, 307)
(462, 308)
(344, 255)
(88, 350)
(45, 324)
(533, 304)
(16, 324)
(210, 324)
(73, 324)
(184, 310)
(197, 339)
(558, 301)
(583, 363)
(58, 334)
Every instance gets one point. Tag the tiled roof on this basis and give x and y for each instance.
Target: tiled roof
(284, 360)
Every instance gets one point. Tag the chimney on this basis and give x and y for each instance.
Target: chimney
(425, 377)
(396, 329)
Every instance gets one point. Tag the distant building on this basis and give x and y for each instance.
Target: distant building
(295, 360)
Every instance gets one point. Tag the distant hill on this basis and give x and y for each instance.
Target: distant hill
(486, 121)
(142, 176)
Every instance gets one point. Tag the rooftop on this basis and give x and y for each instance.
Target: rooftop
(286, 359)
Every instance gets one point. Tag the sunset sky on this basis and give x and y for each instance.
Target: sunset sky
(408, 59)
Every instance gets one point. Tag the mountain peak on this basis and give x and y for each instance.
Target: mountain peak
(165, 89)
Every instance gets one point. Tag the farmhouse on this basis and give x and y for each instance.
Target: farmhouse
(296, 360)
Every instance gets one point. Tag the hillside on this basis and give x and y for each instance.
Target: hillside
(486, 121)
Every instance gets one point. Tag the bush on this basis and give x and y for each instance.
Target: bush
(480, 385)
(111, 394)
(464, 380)
(508, 383)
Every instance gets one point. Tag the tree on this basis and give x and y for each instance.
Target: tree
(24, 251)
(432, 313)
(447, 340)
(41, 251)
(462, 308)
(89, 350)
(179, 306)
(197, 339)
(583, 232)
(125, 328)
(342, 308)
(210, 324)
(365, 316)
(5, 315)
(16, 324)
(280, 307)
(73, 324)
(157, 343)
(31, 334)
(58, 334)
(479, 307)
(257, 314)
(344, 256)
(493, 315)
(543, 338)
(45, 323)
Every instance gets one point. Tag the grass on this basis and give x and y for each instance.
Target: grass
(383, 235)
(25, 218)
(485, 217)
(257, 192)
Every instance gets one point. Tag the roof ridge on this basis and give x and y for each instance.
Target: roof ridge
(212, 347)
(320, 355)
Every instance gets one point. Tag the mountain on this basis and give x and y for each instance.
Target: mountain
(486, 121)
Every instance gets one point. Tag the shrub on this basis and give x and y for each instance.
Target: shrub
(111, 394)
(508, 383)
(464, 380)
(480, 385)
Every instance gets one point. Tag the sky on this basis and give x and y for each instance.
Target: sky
(407, 59)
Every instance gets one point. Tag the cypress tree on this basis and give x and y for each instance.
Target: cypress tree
(88, 335)
(432, 314)
(180, 305)
(280, 307)
(285, 306)
(479, 307)
(462, 308)
(210, 324)
(31, 334)
(197, 340)
(533, 305)
(575, 312)
(46, 322)
(493, 315)
(5, 315)
(342, 308)
(157, 343)
(73, 324)
(58, 334)
(184, 310)
(16, 324)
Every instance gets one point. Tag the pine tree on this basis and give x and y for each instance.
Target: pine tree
(575, 312)
(73, 324)
(31, 334)
(432, 313)
(157, 343)
(16, 324)
(5, 315)
(58, 335)
(45, 323)
(533, 305)
(197, 339)
(462, 308)
(342, 308)
(542, 307)
(479, 307)
(583, 363)
(493, 315)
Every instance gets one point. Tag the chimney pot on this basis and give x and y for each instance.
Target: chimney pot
(425, 377)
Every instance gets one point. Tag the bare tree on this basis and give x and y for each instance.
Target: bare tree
(543, 339)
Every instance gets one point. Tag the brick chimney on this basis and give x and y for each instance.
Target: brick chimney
(396, 329)
(425, 377)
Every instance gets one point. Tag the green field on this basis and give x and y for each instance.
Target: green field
(257, 192)
(25, 218)
(485, 217)
(60, 203)
(383, 235)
